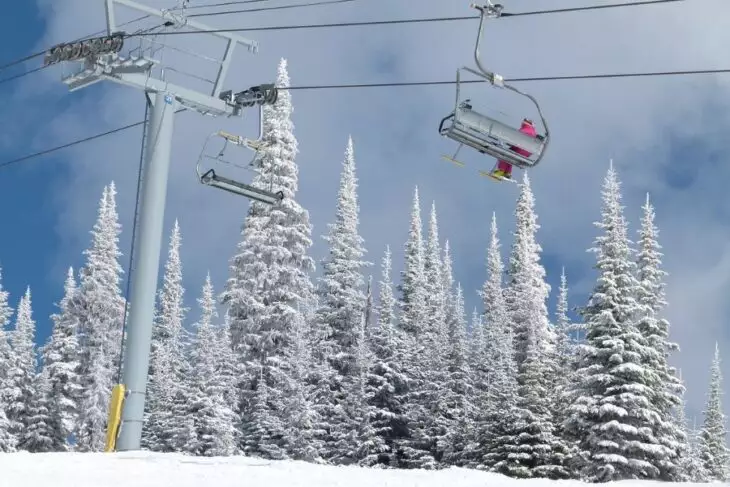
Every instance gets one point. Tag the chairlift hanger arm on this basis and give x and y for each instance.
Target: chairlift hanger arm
(492, 11)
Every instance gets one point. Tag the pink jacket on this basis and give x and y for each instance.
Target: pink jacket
(527, 129)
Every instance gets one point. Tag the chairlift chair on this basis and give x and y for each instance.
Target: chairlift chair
(485, 134)
(209, 176)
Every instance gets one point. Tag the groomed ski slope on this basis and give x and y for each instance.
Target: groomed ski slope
(163, 470)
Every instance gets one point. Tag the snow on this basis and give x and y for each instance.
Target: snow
(147, 469)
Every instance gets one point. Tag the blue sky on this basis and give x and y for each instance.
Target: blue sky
(28, 249)
(666, 136)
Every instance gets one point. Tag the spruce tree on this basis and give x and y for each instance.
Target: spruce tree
(43, 431)
(99, 307)
(434, 394)
(436, 330)
(655, 329)
(303, 439)
(496, 324)
(23, 373)
(167, 401)
(342, 304)
(566, 353)
(213, 416)
(527, 291)
(354, 446)
(612, 417)
(416, 449)
(689, 463)
(447, 288)
(62, 365)
(490, 364)
(503, 419)
(8, 440)
(341, 288)
(369, 306)
(412, 286)
(386, 385)
(537, 449)
(713, 450)
(458, 391)
(386, 308)
(566, 345)
(473, 451)
(269, 282)
(495, 426)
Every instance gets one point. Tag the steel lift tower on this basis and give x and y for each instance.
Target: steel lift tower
(102, 59)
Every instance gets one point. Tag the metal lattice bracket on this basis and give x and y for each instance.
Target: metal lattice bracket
(101, 59)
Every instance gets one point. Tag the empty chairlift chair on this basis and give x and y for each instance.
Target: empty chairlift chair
(207, 174)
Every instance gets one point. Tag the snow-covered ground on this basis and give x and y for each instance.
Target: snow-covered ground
(162, 470)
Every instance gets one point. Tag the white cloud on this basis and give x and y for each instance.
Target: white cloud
(397, 147)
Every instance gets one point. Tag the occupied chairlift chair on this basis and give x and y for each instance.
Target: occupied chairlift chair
(210, 178)
(488, 136)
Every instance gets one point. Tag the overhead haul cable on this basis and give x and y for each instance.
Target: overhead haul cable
(347, 24)
(384, 85)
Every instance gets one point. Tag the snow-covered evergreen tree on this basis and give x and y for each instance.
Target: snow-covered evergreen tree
(667, 388)
(436, 330)
(500, 428)
(386, 308)
(369, 306)
(497, 375)
(690, 465)
(527, 290)
(612, 418)
(269, 278)
(386, 385)
(434, 394)
(99, 307)
(412, 286)
(62, 365)
(342, 304)
(473, 451)
(713, 450)
(447, 287)
(264, 431)
(43, 431)
(566, 355)
(169, 384)
(354, 445)
(8, 440)
(303, 437)
(488, 341)
(496, 324)
(458, 391)
(566, 345)
(417, 448)
(537, 450)
(23, 372)
(214, 419)
(694, 467)
(341, 291)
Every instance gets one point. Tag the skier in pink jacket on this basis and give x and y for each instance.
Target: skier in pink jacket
(504, 168)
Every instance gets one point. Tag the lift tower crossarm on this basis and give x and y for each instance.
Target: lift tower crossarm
(232, 38)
